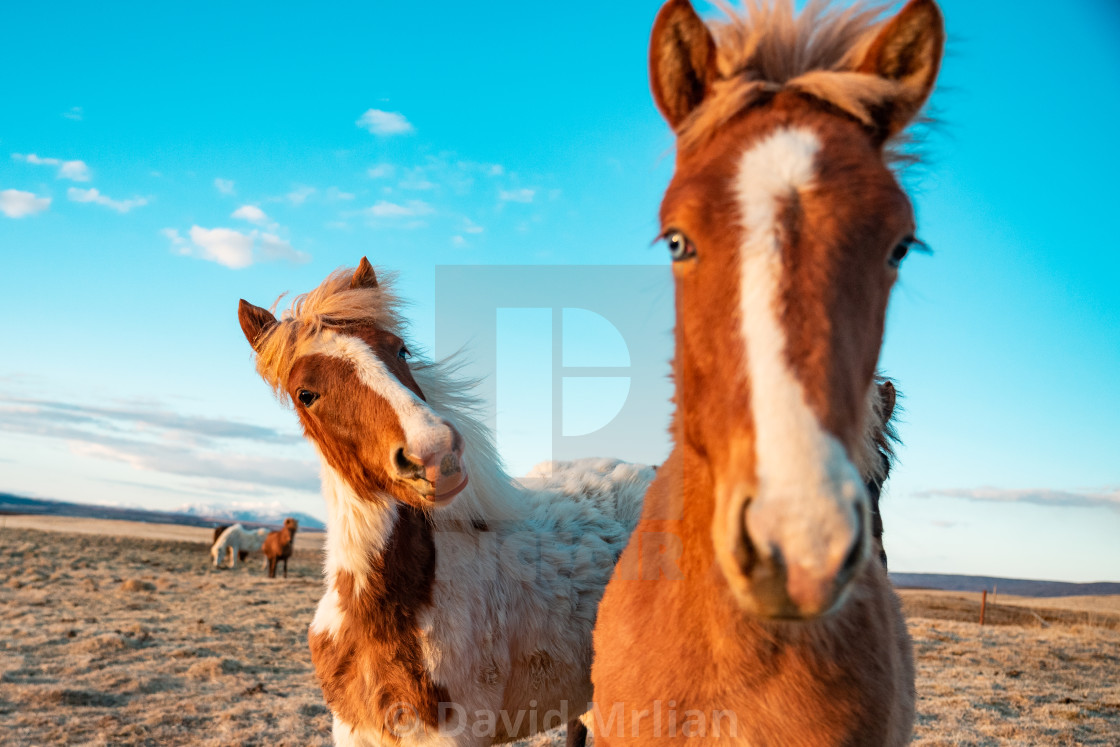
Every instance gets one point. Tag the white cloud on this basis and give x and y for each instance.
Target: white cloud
(225, 186)
(381, 122)
(225, 246)
(486, 169)
(415, 180)
(380, 171)
(94, 196)
(299, 195)
(1107, 497)
(458, 241)
(178, 243)
(334, 193)
(231, 248)
(516, 195)
(251, 213)
(17, 204)
(153, 438)
(470, 226)
(386, 209)
(75, 113)
(274, 248)
(76, 171)
(36, 160)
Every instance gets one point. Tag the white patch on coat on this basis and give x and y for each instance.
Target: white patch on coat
(808, 489)
(328, 615)
(513, 606)
(357, 528)
(235, 539)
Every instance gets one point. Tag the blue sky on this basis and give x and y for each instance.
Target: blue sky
(158, 164)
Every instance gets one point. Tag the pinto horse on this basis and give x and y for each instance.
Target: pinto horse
(747, 608)
(459, 604)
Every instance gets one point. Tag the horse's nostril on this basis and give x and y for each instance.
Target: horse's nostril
(744, 552)
(406, 467)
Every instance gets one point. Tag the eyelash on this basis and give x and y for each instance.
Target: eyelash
(902, 249)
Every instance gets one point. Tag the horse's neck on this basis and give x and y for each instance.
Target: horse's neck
(358, 530)
(362, 530)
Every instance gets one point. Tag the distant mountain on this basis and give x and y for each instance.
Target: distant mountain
(253, 513)
(1015, 586)
(273, 514)
(267, 515)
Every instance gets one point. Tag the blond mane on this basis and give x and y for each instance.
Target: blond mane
(767, 47)
(334, 304)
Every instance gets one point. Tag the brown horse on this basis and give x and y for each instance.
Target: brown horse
(278, 546)
(745, 609)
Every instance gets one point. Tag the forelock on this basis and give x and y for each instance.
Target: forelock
(766, 47)
(332, 305)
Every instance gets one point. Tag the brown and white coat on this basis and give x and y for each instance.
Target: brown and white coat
(444, 622)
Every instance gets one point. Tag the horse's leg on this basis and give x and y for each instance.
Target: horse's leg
(577, 733)
(285, 567)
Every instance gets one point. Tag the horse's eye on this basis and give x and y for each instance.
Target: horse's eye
(900, 251)
(306, 397)
(403, 353)
(679, 246)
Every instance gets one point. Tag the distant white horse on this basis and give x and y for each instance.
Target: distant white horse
(234, 540)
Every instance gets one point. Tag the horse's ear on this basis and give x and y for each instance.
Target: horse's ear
(906, 50)
(364, 276)
(888, 395)
(682, 61)
(255, 321)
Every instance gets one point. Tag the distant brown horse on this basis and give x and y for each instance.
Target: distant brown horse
(278, 546)
(746, 608)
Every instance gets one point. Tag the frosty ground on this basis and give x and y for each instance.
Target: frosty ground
(117, 633)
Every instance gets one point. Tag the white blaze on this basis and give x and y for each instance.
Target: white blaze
(807, 487)
(422, 427)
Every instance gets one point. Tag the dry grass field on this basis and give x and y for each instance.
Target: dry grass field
(130, 639)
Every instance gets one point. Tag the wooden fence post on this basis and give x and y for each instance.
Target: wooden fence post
(983, 604)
